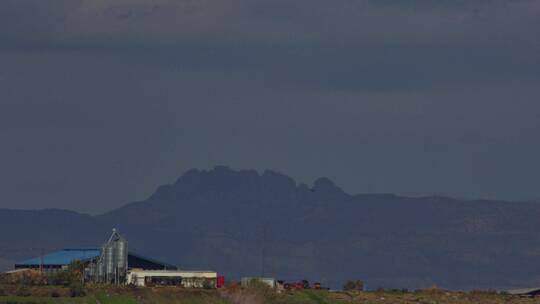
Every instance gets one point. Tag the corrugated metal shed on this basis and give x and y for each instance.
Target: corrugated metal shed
(69, 255)
(63, 257)
(139, 261)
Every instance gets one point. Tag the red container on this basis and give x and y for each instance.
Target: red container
(220, 281)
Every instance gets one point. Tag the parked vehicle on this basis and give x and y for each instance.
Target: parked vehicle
(304, 284)
(220, 281)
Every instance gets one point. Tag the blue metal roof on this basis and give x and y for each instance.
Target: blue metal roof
(64, 257)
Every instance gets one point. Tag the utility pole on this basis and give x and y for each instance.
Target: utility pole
(41, 260)
(263, 250)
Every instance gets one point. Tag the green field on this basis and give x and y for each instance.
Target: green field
(166, 295)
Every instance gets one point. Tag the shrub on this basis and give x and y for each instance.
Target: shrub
(483, 292)
(392, 290)
(63, 277)
(354, 285)
(76, 290)
(72, 275)
(232, 286)
(262, 289)
(434, 290)
(55, 293)
(23, 291)
(25, 277)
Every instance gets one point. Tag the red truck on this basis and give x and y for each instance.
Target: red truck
(304, 284)
(220, 281)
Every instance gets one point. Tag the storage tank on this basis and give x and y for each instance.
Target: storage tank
(113, 262)
(100, 277)
(121, 251)
(108, 257)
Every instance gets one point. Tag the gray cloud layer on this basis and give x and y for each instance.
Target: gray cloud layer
(279, 22)
(101, 101)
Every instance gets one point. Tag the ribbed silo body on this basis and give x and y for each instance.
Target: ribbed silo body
(121, 254)
(109, 261)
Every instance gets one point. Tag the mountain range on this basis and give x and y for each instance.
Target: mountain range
(243, 223)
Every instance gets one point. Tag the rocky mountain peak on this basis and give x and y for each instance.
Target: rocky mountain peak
(326, 185)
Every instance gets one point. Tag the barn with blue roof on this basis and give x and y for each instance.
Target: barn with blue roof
(61, 259)
(110, 263)
(113, 263)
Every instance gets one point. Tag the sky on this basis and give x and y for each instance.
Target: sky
(103, 101)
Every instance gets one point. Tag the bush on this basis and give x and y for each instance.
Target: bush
(25, 277)
(232, 286)
(254, 292)
(23, 291)
(483, 292)
(261, 289)
(55, 293)
(72, 275)
(434, 290)
(354, 285)
(393, 290)
(76, 290)
(63, 277)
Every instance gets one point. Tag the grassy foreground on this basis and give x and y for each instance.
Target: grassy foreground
(166, 295)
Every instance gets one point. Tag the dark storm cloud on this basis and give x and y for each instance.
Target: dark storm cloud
(102, 101)
(278, 22)
(346, 45)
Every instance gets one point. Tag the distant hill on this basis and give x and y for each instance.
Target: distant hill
(242, 223)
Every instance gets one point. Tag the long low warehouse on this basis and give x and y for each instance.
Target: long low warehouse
(188, 279)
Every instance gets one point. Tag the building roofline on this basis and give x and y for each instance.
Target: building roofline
(167, 265)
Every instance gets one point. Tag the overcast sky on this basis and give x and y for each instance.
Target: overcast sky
(102, 101)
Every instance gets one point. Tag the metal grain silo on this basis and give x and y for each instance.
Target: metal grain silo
(113, 262)
(121, 254)
(100, 277)
(108, 257)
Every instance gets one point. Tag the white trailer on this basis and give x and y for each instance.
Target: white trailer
(187, 279)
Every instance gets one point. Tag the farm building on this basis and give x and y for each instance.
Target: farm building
(113, 263)
(60, 260)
